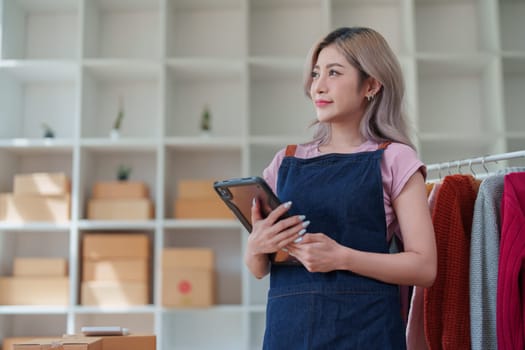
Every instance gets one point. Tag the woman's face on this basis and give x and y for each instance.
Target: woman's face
(335, 89)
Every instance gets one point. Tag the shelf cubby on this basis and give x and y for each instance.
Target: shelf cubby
(227, 40)
(37, 92)
(278, 104)
(191, 86)
(32, 325)
(102, 163)
(511, 14)
(226, 328)
(435, 34)
(137, 322)
(132, 86)
(184, 163)
(33, 160)
(377, 14)
(225, 244)
(513, 86)
(443, 87)
(110, 24)
(36, 29)
(271, 33)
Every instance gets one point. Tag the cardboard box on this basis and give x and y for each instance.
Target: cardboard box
(126, 342)
(34, 267)
(194, 189)
(129, 342)
(133, 270)
(198, 258)
(26, 208)
(120, 209)
(34, 291)
(67, 343)
(120, 190)
(201, 208)
(9, 343)
(188, 278)
(114, 293)
(104, 246)
(47, 184)
(188, 288)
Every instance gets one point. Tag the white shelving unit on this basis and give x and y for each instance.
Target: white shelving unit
(67, 63)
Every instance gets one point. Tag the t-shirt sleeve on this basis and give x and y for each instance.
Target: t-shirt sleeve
(401, 162)
(271, 171)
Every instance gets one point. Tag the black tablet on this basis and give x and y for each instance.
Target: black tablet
(238, 194)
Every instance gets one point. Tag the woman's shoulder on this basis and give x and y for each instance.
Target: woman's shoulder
(398, 149)
(392, 150)
(403, 160)
(302, 150)
(397, 157)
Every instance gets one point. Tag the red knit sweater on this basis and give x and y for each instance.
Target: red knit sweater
(446, 303)
(510, 309)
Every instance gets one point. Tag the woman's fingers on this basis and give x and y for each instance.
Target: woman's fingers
(293, 234)
(279, 212)
(255, 211)
(273, 232)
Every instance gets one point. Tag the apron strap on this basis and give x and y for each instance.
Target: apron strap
(384, 145)
(290, 150)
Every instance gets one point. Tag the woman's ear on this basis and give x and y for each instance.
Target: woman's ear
(372, 87)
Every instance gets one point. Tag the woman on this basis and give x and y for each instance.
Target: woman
(352, 189)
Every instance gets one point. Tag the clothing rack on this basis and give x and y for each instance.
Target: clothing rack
(471, 161)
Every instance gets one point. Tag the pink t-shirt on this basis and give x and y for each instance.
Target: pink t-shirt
(398, 164)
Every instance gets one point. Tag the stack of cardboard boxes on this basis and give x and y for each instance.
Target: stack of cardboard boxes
(196, 199)
(37, 197)
(120, 200)
(36, 281)
(115, 269)
(188, 277)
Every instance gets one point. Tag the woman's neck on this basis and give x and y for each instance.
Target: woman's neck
(342, 141)
(341, 146)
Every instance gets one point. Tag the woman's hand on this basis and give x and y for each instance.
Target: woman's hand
(271, 234)
(317, 252)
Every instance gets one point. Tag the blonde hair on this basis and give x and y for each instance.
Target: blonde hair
(366, 50)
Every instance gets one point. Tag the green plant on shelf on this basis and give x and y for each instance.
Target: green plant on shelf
(123, 172)
(117, 124)
(48, 132)
(120, 115)
(206, 120)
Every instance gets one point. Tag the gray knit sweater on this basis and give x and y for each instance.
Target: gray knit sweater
(484, 255)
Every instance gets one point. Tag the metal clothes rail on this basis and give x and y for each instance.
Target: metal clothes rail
(458, 164)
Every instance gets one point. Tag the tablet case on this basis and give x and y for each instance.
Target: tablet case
(238, 194)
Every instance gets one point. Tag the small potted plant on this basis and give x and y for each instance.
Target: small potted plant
(48, 132)
(123, 172)
(206, 121)
(115, 131)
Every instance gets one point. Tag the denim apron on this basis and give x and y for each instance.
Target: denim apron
(342, 196)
